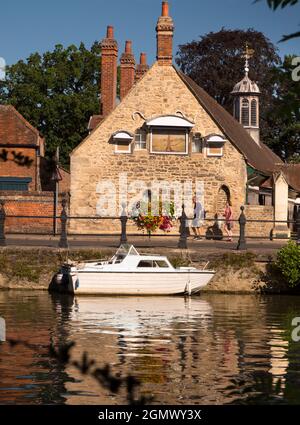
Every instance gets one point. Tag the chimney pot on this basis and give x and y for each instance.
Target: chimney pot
(143, 59)
(165, 32)
(128, 46)
(110, 32)
(165, 8)
(109, 47)
(127, 70)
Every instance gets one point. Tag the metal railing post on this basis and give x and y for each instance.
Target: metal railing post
(63, 242)
(2, 224)
(298, 226)
(242, 244)
(182, 244)
(123, 220)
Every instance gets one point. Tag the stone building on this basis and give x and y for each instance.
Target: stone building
(168, 129)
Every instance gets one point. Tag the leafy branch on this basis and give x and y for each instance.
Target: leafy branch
(17, 158)
(275, 4)
(87, 367)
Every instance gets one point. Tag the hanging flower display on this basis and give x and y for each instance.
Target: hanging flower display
(148, 221)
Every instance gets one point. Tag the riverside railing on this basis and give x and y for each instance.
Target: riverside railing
(123, 219)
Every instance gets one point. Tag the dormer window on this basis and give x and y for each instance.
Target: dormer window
(169, 134)
(215, 145)
(122, 141)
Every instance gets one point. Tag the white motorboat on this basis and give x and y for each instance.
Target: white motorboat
(130, 273)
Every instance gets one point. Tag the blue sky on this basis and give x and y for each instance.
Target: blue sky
(34, 25)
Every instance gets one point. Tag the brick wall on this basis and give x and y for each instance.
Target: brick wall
(19, 144)
(165, 32)
(10, 168)
(109, 47)
(127, 70)
(26, 204)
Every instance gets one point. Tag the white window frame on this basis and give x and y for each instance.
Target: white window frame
(122, 151)
(124, 137)
(171, 153)
(213, 140)
(210, 154)
(140, 142)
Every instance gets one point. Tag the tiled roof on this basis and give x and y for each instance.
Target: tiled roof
(260, 157)
(292, 174)
(94, 121)
(14, 128)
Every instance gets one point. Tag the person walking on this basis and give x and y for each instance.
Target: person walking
(198, 219)
(228, 224)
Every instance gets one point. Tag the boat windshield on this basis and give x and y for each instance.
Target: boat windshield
(126, 249)
(122, 253)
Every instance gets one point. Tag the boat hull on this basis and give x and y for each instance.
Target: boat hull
(135, 283)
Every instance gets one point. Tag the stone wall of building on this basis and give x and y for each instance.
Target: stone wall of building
(259, 212)
(159, 92)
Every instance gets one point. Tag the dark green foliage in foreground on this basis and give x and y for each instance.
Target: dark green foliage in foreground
(288, 263)
(87, 367)
(275, 4)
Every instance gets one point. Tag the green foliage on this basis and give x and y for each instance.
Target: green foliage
(31, 265)
(234, 261)
(283, 132)
(180, 261)
(216, 62)
(288, 262)
(56, 92)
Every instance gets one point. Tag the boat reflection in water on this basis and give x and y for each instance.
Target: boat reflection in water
(138, 316)
(141, 336)
(213, 349)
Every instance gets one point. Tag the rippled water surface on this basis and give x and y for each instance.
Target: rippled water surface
(213, 349)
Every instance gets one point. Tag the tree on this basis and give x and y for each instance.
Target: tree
(216, 62)
(274, 4)
(283, 132)
(56, 92)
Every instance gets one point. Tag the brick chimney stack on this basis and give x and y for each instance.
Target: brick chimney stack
(109, 48)
(165, 31)
(142, 68)
(127, 70)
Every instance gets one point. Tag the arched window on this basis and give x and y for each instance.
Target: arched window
(245, 112)
(223, 197)
(254, 113)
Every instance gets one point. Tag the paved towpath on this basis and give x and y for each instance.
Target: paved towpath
(166, 244)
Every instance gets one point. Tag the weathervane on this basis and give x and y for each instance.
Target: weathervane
(248, 53)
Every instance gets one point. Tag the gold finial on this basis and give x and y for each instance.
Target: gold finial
(248, 53)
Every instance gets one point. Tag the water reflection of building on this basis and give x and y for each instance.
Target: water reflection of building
(188, 356)
(27, 375)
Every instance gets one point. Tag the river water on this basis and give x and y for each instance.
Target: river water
(212, 349)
